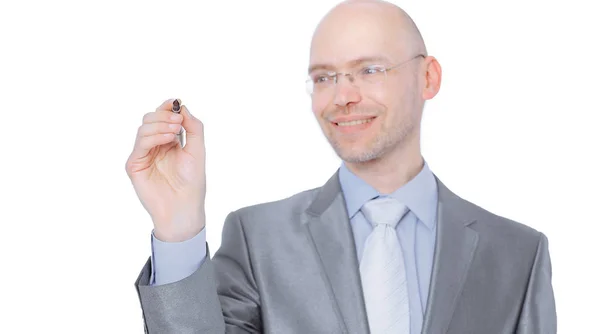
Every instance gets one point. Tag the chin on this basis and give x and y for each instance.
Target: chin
(364, 149)
(357, 153)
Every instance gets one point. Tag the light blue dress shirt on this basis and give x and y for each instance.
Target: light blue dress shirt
(416, 231)
(172, 262)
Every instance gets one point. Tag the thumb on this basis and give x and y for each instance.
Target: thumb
(194, 137)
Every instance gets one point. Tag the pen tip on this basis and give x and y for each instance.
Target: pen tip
(176, 105)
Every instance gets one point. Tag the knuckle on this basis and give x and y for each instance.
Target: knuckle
(165, 127)
(162, 115)
(147, 117)
(128, 167)
(162, 104)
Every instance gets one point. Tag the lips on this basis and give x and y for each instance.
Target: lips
(352, 126)
(354, 122)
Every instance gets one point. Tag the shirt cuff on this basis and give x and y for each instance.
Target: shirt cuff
(174, 261)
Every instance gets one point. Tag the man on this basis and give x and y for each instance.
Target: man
(382, 247)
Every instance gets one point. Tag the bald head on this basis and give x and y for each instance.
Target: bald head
(377, 26)
(372, 113)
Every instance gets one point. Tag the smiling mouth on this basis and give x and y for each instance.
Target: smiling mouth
(356, 122)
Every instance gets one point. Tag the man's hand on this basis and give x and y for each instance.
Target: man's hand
(170, 180)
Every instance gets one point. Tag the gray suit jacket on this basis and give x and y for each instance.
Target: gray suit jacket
(290, 266)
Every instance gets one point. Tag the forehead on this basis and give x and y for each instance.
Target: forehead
(346, 36)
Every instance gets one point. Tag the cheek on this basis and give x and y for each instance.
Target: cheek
(318, 107)
(397, 101)
(380, 95)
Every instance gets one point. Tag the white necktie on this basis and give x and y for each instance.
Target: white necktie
(382, 269)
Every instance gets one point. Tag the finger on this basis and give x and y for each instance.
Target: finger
(152, 135)
(151, 129)
(145, 144)
(162, 116)
(167, 105)
(194, 137)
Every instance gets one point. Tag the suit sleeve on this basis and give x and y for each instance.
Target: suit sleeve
(220, 297)
(538, 315)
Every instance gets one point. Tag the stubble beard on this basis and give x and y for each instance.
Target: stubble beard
(386, 140)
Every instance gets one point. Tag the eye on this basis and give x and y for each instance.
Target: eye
(373, 69)
(321, 78)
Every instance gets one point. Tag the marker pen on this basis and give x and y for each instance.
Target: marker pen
(176, 108)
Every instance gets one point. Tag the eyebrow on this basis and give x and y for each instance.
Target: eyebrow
(354, 62)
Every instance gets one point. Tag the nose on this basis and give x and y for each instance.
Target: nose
(346, 91)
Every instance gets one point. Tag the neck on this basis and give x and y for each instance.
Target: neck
(392, 170)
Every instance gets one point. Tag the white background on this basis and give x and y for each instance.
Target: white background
(513, 129)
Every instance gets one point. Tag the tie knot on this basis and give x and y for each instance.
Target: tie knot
(384, 210)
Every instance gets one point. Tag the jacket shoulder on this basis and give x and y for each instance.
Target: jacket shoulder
(489, 223)
(284, 209)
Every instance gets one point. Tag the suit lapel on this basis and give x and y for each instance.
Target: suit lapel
(329, 228)
(455, 246)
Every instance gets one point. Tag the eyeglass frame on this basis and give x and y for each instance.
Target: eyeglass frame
(335, 75)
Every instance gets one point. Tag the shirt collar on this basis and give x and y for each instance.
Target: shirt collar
(419, 194)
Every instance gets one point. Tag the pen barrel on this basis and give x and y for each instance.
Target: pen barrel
(181, 137)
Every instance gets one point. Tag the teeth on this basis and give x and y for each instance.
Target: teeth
(357, 122)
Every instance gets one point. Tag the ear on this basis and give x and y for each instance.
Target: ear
(433, 78)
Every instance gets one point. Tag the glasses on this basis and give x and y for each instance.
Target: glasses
(320, 82)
